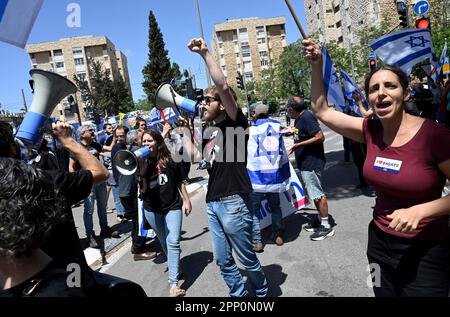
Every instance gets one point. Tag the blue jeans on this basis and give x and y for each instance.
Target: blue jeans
(274, 204)
(119, 208)
(230, 223)
(168, 231)
(98, 193)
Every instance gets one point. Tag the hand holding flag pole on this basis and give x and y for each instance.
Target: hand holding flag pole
(288, 3)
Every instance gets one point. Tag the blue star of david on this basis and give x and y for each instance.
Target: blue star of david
(334, 78)
(419, 38)
(261, 150)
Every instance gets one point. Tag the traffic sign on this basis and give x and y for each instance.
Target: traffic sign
(421, 7)
(446, 67)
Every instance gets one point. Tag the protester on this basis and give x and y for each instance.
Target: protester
(310, 159)
(128, 192)
(409, 238)
(162, 181)
(141, 124)
(30, 206)
(228, 198)
(269, 174)
(98, 192)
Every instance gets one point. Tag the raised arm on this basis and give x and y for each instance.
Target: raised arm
(364, 112)
(199, 46)
(348, 126)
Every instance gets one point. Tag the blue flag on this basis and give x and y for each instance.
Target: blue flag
(350, 88)
(331, 83)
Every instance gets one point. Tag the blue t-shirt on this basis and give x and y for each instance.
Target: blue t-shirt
(309, 157)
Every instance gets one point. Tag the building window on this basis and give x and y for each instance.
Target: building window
(331, 26)
(57, 53)
(261, 40)
(318, 16)
(237, 54)
(32, 55)
(340, 39)
(260, 31)
(81, 76)
(238, 66)
(336, 9)
(248, 75)
(223, 67)
(264, 62)
(338, 24)
(329, 11)
(262, 54)
(79, 61)
(220, 45)
(246, 52)
(221, 56)
(361, 22)
(59, 64)
(77, 50)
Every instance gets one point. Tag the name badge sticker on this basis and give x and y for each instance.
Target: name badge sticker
(387, 165)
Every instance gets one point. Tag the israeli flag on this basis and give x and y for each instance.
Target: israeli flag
(156, 117)
(350, 88)
(142, 232)
(16, 20)
(331, 83)
(267, 160)
(405, 48)
(441, 62)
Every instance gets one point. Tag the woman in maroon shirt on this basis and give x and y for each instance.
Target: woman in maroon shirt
(408, 162)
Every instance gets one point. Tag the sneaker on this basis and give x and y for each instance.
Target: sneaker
(322, 233)
(278, 238)
(312, 225)
(92, 242)
(258, 247)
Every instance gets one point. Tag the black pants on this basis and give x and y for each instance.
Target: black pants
(359, 156)
(409, 267)
(130, 205)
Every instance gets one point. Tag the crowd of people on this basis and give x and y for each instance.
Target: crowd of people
(409, 237)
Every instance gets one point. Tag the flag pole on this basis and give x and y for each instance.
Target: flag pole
(288, 3)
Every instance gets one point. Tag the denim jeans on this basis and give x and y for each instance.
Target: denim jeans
(230, 224)
(98, 193)
(119, 207)
(274, 203)
(168, 231)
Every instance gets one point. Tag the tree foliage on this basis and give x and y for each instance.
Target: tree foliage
(158, 69)
(103, 96)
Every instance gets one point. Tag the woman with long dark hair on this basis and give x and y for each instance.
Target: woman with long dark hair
(407, 163)
(165, 199)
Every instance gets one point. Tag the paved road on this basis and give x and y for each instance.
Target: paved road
(301, 267)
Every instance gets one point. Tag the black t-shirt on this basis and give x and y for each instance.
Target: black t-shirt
(309, 157)
(161, 193)
(49, 282)
(227, 178)
(63, 240)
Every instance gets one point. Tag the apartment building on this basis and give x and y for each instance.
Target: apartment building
(342, 20)
(72, 56)
(248, 45)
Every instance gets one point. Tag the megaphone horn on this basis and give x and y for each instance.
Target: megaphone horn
(166, 97)
(126, 161)
(49, 89)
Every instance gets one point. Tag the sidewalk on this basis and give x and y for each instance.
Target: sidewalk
(108, 246)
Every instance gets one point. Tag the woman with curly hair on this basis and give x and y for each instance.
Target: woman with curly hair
(29, 207)
(161, 183)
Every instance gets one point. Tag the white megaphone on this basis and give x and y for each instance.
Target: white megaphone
(126, 161)
(166, 97)
(49, 89)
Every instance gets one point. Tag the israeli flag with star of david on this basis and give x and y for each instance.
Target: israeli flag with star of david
(267, 160)
(405, 48)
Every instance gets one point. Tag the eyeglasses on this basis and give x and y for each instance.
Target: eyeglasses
(209, 99)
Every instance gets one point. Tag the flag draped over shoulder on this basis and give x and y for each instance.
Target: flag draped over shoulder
(16, 20)
(331, 82)
(405, 48)
(267, 160)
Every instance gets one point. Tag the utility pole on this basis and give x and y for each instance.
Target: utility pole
(208, 77)
(24, 101)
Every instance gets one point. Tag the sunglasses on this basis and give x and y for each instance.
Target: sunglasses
(209, 99)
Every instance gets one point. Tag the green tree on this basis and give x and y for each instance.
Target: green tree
(100, 95)
(143, 104)
(158, 69)
(122, 99)
(293, 72)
